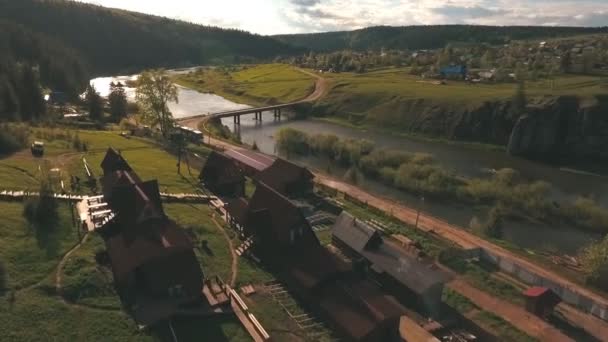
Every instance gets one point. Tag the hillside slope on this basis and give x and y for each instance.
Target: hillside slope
(426, 37)
(113, 40)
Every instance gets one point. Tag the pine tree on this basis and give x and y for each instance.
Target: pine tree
(118, 101)
(94, 103)
(30, 95)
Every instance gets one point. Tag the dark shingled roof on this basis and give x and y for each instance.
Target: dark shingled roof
(252, 160)
(220, 169)
(387, 256)
(354, 233)
(159, 240)
(282, 173)
(359, 308)
(113, 161)
(284, 215)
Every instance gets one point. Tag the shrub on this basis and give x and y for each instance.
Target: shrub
(292, 141)
(42, 211)
(13, 138)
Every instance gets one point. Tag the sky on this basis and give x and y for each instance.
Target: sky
(299, 16)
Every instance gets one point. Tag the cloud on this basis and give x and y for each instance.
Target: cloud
(470, 12)
(305, 3)
(296, 16)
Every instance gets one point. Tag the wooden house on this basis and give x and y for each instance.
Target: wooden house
(284, 239)
(287, 178)
(151, 257)
(412, 280)
(223, 176)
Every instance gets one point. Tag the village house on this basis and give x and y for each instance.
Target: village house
(152, 259)
(287, 178)
(223, 176)
(412, 280)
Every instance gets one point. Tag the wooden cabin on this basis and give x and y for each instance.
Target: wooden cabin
(287, 178)
(412, 280)
(355, 307)
(223, 176)
(151, 257)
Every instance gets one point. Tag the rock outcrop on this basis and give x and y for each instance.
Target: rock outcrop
(562, 128)
(551, 128)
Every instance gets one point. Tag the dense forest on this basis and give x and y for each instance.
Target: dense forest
(426, 37)
(30, 61)
(115, 40)
(58, 45)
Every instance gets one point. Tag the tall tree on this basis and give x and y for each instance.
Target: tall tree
(94, 103)
(154, 92)
(118, 101)
(30, 95)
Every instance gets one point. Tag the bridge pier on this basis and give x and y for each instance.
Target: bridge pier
(277, 113)
(237, 119)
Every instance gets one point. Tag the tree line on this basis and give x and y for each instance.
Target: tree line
(121, 41)
(427, 37)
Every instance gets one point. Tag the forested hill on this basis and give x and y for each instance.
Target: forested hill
(426, 37)
(119, 41)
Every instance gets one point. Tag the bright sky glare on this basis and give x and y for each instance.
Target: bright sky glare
(297, 16)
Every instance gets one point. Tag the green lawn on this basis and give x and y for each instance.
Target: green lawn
(256, 85)
(21, 171)
(29, 254)
(30, 258)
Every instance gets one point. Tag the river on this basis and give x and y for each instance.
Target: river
(465, 161)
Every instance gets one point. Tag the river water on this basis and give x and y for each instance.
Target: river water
(465, 161)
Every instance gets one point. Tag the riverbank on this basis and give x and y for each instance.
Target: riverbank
(254, 85)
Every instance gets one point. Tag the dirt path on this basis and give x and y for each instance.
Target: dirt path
(234, 268)
(511, 313)
(66, 257)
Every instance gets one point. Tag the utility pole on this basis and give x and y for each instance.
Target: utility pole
(419, 209)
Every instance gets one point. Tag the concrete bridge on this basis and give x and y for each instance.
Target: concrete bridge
(236, 114)
(320, 89)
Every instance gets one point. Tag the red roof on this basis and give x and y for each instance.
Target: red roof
(536, 291)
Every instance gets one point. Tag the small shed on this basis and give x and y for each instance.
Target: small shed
(541, 301)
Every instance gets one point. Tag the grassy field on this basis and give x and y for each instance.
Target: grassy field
(256, 85)
(30, 308)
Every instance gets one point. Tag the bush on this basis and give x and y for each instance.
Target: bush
(42, 211)
(292, 141)
(13, 138)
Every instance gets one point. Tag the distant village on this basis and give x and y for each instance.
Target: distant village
(516, 61)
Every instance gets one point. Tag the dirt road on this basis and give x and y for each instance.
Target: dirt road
(516, 315)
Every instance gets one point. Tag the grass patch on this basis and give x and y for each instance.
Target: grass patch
(255, 85)
(501, 328)
(31, 257)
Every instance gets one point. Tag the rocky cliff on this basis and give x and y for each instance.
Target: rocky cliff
(562, 127)
(550, 128)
